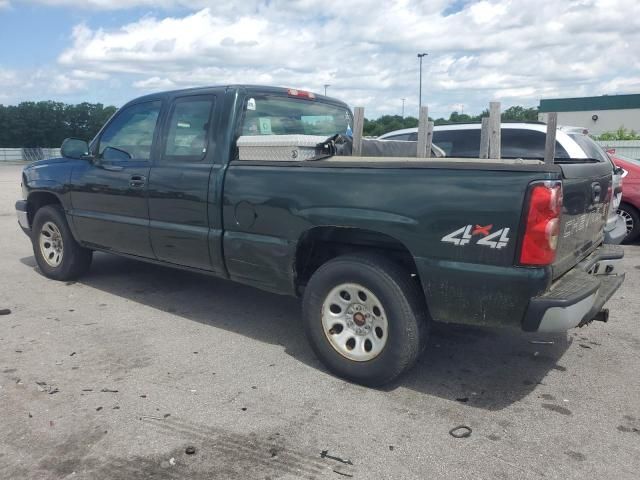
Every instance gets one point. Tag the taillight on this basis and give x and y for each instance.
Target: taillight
(542, 226)
(294, 92)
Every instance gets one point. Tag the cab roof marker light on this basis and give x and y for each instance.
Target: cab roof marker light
(294, 92)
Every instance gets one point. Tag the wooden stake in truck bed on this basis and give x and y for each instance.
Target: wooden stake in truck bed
(378, 248)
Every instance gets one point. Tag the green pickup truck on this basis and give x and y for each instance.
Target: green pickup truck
(378, 248)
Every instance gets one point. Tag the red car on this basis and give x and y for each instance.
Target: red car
(630, 206)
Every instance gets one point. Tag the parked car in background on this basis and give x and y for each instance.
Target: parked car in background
(629, 208)
(527, 140)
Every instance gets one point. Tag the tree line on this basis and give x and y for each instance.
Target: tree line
(48, 123)
(389, 123)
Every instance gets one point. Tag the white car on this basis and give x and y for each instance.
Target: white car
(527, 140)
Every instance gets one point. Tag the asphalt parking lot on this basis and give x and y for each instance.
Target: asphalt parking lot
(114, 376)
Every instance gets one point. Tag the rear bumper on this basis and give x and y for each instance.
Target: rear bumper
(616, 235)
(23, 219)
(579, 295)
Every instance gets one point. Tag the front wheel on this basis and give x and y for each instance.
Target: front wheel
(57, 253)
(365, 318)
(631, 220)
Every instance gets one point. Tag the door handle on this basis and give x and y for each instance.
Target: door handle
(112, 168)
(137, 180)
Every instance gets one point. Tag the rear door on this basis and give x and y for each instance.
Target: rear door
(180, 201)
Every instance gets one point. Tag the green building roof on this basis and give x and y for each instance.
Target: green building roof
(583, 104)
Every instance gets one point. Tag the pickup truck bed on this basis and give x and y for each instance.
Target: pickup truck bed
(377, 247)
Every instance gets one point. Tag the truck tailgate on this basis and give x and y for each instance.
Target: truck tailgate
(586, 197)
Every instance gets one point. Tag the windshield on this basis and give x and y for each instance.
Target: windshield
(276, 115)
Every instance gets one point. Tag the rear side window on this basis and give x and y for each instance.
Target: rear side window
(132, 130)
(275, 115)
(520, 143)
(188, 129)
(515, 143)
(590, 148)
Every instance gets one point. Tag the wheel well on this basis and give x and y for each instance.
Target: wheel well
(321, 244)
(37, 200)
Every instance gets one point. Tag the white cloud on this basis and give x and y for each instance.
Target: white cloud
(514, 50)
(39, 84)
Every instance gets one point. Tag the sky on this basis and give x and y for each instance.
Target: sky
(512, 51)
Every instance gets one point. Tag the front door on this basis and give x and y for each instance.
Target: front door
(179, 200)
(109, 194)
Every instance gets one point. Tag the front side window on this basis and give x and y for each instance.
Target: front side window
(132, 130)
(274, 115)
(188, 129)
(401, 136)
(458, 143)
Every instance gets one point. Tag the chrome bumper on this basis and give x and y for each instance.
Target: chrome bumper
(579, 295)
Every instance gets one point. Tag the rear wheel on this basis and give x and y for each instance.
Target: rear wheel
(365, 318)
(631, 220)
(57, 253)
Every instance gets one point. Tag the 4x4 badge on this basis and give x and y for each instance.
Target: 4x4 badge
(464, 235)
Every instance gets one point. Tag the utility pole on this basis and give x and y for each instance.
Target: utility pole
(326, 85)
(403, 99)
(420, 55)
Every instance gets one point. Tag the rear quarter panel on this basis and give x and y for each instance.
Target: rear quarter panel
(267, 208)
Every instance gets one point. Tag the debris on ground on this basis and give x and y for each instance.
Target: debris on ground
(325, 454)
(462, 399)
(50, 389)
(461, 431)
(98, 409)
(4, 311)
(342, 473)
(108, 390)
(190, 450)
(172, 461)
(541, 342)
(72, 354)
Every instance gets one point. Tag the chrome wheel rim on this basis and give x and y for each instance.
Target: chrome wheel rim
(51, 246)
(355, 322)
(628, 220)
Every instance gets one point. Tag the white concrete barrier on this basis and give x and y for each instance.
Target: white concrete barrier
(628, 148)
(13, 155)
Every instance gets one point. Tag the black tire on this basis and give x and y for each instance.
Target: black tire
(629, 213)
(402, 300)
(75, 260)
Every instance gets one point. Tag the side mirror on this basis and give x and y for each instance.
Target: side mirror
(113, 154)
(618, 170)
(74, 148)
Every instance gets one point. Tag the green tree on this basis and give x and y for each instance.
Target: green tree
(620, 134)
(48, 123)
(389, 123)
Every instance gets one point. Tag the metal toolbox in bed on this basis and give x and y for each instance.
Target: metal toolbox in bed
(278, 148)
